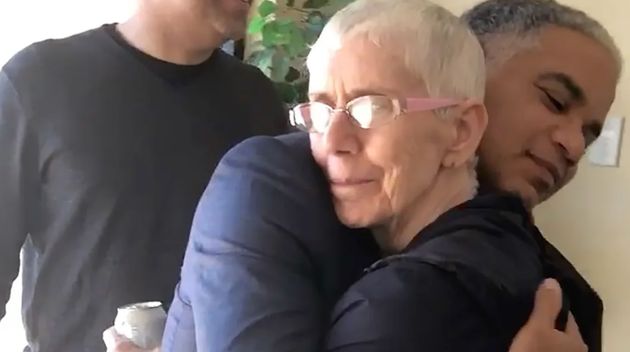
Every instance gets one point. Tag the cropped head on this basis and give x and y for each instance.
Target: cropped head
(204, 20)
(395, 110)
(552, 76)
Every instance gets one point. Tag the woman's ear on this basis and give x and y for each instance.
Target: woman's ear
(469, 121)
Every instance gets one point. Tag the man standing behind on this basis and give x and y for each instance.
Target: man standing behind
(107, 140)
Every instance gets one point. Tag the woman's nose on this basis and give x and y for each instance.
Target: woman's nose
(340, 136)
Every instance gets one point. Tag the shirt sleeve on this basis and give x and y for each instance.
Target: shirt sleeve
(249, 280)
(18, 170)
(419, 308)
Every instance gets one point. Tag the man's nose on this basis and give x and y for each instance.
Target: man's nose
(570, 138)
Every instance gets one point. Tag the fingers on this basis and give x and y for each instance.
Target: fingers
(117, 343)
(547, 304)
(540, 334)
(111, 338)
(572, 328)
(573, 334)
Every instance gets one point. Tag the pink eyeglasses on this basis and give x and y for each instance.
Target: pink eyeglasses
(366, 112)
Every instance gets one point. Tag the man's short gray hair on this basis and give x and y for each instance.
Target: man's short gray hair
(434, 44)
(504, 27)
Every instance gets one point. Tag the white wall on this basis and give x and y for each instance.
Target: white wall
(21, 23)
(25, 21)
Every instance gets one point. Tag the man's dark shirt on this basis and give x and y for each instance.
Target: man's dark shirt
(104, 153)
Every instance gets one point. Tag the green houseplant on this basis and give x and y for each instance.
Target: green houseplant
(284, 33)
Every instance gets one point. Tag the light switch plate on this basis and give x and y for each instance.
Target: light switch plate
(605, 150)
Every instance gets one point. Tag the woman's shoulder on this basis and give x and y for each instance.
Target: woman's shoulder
(491, 237)
(406, 304)
(412, 300)
(482, 252)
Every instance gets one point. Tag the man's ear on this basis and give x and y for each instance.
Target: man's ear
(469, 121)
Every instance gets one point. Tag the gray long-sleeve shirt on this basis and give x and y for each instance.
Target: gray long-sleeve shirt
(102, 161)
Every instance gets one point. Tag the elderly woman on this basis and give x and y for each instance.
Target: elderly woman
(395, 131)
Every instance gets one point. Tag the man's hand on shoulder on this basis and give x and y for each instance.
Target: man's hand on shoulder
(539, 333)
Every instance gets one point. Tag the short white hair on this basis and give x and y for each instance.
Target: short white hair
(433, 44)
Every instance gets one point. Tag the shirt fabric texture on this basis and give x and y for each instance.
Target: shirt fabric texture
(104, 154)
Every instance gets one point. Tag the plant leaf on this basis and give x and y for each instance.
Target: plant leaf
(297, 43)
(315, 18)
(315, 4)
(256, 25)
(293, 75)
(266, 8)
(287, 92)
(263, 59)
(279, 66)
(313, 26)
(274, 34)
(286, 25)
(269, 33)
(339, 4)
(301, 90)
